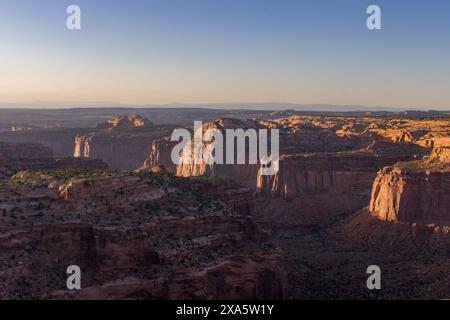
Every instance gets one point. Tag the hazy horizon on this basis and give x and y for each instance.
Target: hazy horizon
(269, 106)
(309, 53)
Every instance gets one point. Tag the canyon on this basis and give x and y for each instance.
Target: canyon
(122, 142)
(352, 190)
(335, 187)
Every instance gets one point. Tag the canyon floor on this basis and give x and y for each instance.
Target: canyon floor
(352, 190)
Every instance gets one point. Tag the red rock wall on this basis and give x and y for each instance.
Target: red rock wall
(119, 152)
(323, 174)
(411, 196)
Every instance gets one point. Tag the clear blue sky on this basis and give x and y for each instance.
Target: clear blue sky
(199, 51)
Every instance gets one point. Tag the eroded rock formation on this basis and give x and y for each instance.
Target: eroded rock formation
(411, 196)
(119, 152)
(125, 123)
(123, 142)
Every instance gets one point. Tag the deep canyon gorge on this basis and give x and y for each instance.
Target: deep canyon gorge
(351, 191)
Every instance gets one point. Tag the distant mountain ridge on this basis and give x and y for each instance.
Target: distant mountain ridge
(273, 106)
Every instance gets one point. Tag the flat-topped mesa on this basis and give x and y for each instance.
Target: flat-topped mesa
(413, 192)
(231, 123)
(108, 190)
(401, 150)
(123, 142)
(332, 173)
(125, 123)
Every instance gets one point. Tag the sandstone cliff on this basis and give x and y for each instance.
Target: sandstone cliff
(161, 155)
(341, 172)
(127, 151)
(123, 142)
(411, 196)
(315, 190)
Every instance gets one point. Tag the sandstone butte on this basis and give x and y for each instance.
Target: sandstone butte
(415, 191)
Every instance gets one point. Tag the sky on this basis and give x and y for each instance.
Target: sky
(141, 52)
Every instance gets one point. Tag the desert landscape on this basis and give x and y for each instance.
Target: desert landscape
(353, 189)
(224, 158)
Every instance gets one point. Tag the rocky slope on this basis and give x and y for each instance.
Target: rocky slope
(331, 263)
(405, 231)
(134, 235)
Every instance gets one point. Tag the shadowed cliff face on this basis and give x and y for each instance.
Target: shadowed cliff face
(17, 150)
(161, 155)
(60, 141)
(123, 142)
(315, 190)
(324, 173)
(331, 262)
(119, 152)
(4, 172)
(16, 157)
